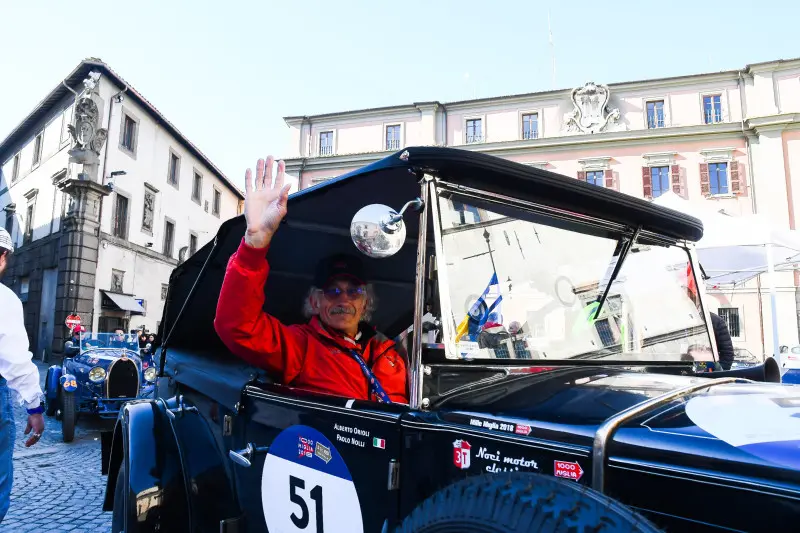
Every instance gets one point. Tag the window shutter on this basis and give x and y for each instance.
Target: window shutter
(647, 183)
(675, 177)
(705, 185)
(736, 187)
(608, 174)
(582, 175)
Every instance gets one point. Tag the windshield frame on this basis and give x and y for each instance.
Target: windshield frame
(580, 223)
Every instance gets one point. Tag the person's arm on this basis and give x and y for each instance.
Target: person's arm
(244, 327)
(724, 341)
(16, 365)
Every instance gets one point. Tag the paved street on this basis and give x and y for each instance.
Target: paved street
(57, 486)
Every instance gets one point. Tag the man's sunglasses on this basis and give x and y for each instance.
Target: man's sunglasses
(353, 293)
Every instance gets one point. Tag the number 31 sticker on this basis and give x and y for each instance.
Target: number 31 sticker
(306, 486)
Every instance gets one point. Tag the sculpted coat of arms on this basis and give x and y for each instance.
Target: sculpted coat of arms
(591, 113)
(84, 129)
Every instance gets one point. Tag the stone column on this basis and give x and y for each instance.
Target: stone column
(77, 264)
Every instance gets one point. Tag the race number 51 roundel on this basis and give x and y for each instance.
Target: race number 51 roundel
(305, 486)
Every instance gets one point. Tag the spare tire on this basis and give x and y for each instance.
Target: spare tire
(521, 502)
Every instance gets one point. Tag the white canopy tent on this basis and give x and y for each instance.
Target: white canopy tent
(735, 249)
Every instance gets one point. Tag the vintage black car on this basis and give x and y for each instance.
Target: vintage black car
(564, 379)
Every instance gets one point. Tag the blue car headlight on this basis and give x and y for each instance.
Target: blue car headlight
(97, 374)
(150, 374)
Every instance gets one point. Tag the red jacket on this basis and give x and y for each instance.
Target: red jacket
(306, 356)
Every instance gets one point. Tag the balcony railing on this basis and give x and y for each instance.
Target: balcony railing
(655, 122)
(472, 139)
(713, 117)
(528, 135)
(325, 150)
(393, 144)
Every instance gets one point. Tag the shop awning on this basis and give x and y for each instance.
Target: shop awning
(124, 302)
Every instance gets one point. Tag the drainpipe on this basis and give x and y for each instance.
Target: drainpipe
(105, 155)
(444, 124)
(752, 187)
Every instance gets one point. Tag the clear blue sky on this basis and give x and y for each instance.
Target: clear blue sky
(225, 73)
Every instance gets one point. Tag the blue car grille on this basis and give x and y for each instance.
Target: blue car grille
(123, 379)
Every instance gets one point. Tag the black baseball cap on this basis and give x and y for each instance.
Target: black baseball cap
(339, 266)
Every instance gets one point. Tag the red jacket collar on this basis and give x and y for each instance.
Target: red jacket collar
(369, 335)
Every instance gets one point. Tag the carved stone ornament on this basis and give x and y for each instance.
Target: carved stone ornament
(85, 128)
(85, 131)
(591, 113)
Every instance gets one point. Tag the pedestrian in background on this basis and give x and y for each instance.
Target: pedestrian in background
(17, 373)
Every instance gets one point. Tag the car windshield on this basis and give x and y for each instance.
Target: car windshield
(109, 340)
(511, 288)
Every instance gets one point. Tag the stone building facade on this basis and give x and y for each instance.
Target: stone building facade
(103, 197)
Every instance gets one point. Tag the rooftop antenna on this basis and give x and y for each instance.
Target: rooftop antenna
(552, 51)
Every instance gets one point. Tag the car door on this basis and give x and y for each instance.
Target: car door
(323, 463)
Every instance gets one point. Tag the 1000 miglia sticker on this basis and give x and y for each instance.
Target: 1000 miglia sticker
(762, 424)
(306, 486)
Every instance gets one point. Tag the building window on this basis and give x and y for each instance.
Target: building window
(148, 213)
(128, 141)
(474, 130)
(468, 214)
(732, 319)
(28, 235)
(197, 188)
(24, 288)
(393, 137)
(659, 181)
(15, 169)
(718, 178)
(595, 177)
(712, 108)
(326, 143)
(120, 229)
(66, 119)
(117, 278)
(37, 150)
(174, 169)
(169, 238)
(215, 208)
(530, 126)
(10, 222)
(164, 289)
(655, 114)
(192, 244)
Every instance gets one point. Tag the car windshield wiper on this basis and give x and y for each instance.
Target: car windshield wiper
(625, 244)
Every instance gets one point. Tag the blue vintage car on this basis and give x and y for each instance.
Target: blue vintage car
(104, 371)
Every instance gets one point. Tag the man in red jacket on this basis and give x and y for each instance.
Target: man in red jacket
(336, 352)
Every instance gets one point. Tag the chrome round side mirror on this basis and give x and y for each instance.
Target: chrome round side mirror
(378, 231)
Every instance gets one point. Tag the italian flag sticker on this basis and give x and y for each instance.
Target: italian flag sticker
(379, 443)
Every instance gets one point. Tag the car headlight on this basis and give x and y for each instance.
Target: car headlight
(150, 374)
(97, 374)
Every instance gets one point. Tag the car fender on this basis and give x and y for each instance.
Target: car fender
(144, 443)
(69, 382)
(52, 382)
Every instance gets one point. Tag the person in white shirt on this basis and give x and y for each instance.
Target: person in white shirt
(17, 373)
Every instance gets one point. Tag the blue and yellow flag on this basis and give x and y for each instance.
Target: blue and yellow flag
(479, 312)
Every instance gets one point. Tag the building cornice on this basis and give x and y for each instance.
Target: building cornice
(774, 122)
(374, 112)
(773, 66)
(728, 130)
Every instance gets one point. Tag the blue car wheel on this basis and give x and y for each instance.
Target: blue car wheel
(68, 415)
(519, 503)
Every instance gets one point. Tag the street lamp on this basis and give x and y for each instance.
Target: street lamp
(114, 174)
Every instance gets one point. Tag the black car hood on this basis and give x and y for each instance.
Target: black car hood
(583, 396)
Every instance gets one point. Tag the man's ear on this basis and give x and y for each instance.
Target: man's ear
(313, 302)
